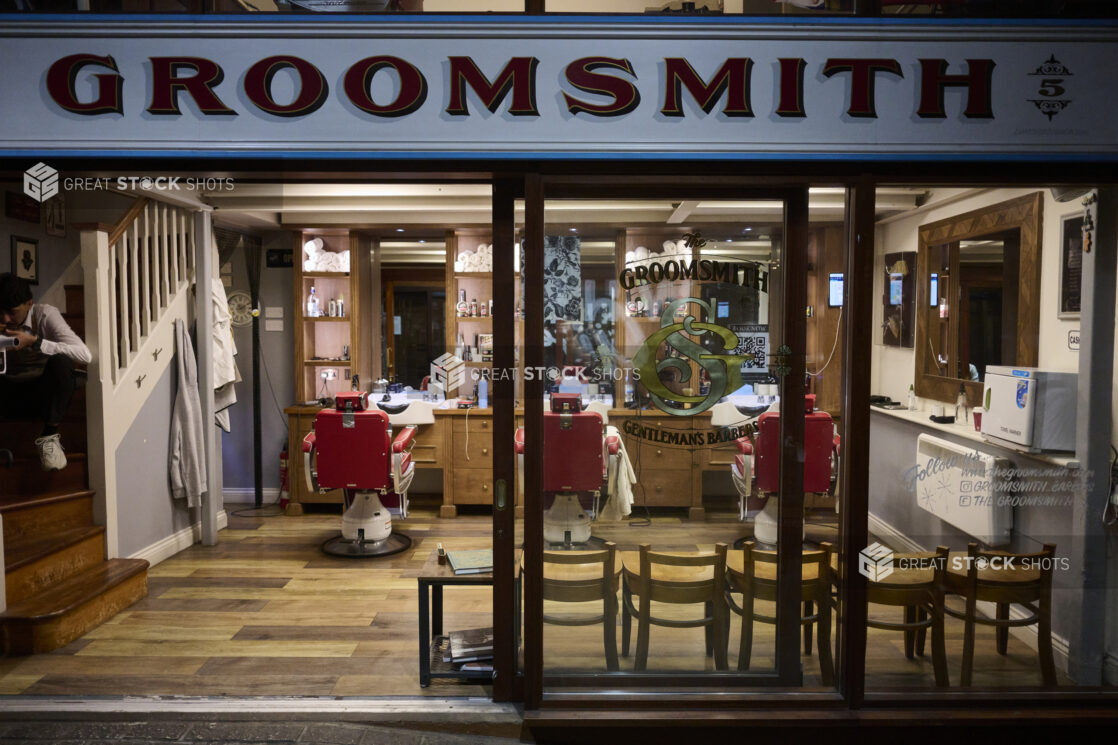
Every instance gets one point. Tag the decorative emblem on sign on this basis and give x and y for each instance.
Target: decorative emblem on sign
(781, 361)
(683, 335)
(1051, 87)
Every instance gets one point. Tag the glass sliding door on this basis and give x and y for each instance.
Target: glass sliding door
(664, 534)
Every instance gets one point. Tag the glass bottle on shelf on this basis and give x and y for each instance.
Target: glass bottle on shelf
(313, 307)
(473, 308)
(341, 306)
(483, 309)
(961, 405)
(462, 310)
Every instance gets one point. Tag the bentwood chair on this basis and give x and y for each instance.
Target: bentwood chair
(917, 585)
(1004, 579)
(584, 577)
(756, 580)
(676, 579)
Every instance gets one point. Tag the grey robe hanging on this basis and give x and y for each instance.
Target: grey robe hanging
(188, 446)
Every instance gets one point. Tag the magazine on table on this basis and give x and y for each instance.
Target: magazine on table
(471, 645)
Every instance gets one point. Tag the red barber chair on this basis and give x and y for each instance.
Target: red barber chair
(756, 467)
(574, 471)
(351, 448)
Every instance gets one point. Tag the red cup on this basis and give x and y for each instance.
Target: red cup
(977, 420)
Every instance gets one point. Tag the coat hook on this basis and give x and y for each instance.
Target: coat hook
(140, 380)
(155, 354)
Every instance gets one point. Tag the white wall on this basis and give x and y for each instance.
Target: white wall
(894, 368)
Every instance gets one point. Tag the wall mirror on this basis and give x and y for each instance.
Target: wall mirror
(978, 296)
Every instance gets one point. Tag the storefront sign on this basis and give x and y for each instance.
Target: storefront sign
(568, 87)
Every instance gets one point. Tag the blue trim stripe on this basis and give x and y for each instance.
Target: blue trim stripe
(483, 19)
(574, 155)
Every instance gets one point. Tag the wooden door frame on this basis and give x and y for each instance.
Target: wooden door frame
(389, 290)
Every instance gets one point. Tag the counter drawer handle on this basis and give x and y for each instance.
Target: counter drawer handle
(485, 487)
(659, 487)
(659, 452)
(485, 425)
(485, 451)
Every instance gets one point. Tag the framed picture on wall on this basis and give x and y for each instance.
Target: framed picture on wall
(25, 258)
(54, 216)
(1071, 265)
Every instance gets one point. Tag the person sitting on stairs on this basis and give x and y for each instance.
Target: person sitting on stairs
(39, 380)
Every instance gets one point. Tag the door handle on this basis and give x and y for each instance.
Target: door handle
(501, 500)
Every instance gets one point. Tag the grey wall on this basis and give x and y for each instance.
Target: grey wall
(57, 254)
(146, 513)
(277, 350)
(893, 451)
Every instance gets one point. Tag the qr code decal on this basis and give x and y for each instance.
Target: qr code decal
(756, 345)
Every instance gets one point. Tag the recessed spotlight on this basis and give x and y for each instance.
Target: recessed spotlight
(399, 230)
(421, 240)
(729, 240)
(574, 230)
(746, 230)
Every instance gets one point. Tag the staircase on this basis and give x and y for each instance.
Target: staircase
(59, 584)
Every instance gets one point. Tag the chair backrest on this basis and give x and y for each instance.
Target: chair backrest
(580, 576)
(765, 576)
(353, 446)
(679, 578)
(1029, 575)
(818, 445)
(574, 458)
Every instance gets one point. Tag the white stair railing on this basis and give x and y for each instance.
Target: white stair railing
(138, 276)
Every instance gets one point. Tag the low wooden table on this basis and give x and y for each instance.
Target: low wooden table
(433, 577)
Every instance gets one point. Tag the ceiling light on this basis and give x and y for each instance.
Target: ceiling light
(399, 230)
(574, 230)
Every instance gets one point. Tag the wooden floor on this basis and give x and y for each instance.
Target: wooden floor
(266, 613)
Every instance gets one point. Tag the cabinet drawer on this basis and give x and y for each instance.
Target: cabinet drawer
(479, 445)
(657, 488)
(652, 455)
(429, 446)
(480, 424)
(473, 486)
(720, 456)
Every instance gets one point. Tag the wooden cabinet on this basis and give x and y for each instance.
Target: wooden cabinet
(470, 336)
(337, 341)
(667, 474)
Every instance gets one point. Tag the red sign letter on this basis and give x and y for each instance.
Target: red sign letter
(519, 75)
(732, 79)
(791, 87)
(862, 80)
(165, 85)
(63, 73)
(977, 81)
(312, 86)
(413, 86)
(581, 75)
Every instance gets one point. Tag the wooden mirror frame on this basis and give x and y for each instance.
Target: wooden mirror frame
(1023, 214)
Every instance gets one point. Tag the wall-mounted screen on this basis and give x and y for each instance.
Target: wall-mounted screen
(896, 289)
(934, 291)
(834, 291)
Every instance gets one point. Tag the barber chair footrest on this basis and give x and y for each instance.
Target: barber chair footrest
(341, 546)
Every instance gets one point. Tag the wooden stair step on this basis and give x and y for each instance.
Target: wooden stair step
(33, 566)
(31, 518)
(61, 613)
(26, 477)
(20, 436)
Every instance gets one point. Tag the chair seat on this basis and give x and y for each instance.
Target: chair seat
(578, 572)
